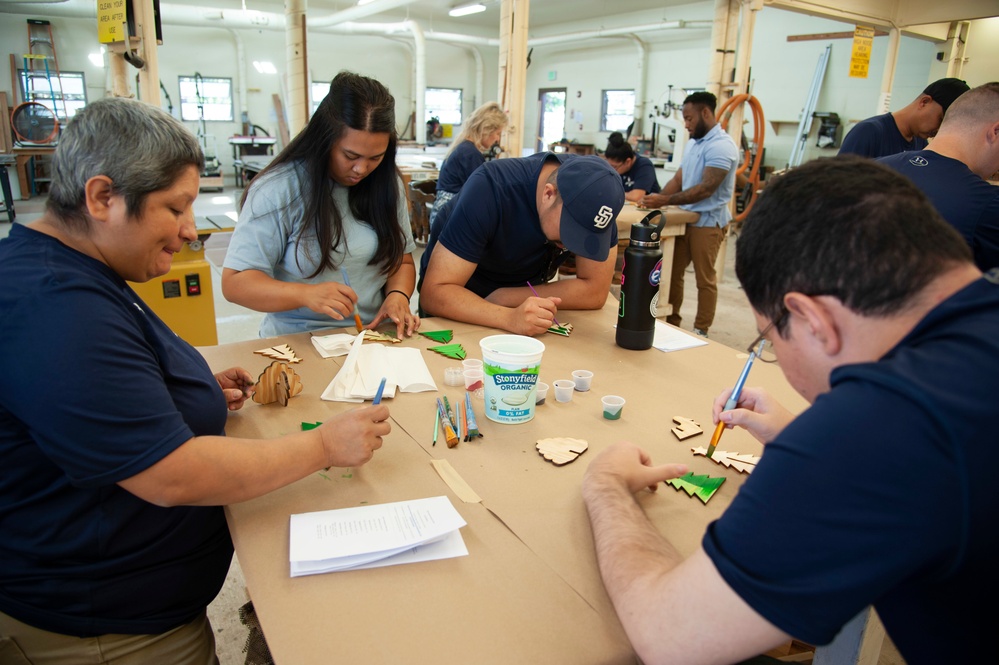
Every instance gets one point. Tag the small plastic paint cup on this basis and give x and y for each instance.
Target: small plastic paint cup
(563, 390)
(453, 377)
(540, 393)
(471, 363)
(581, 379)
(473, 379)
(613, 405)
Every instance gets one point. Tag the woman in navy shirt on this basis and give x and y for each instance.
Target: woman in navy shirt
(637, 172)
(480, 133)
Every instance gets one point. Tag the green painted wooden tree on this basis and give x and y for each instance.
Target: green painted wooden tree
(439, 336)
(703, 487)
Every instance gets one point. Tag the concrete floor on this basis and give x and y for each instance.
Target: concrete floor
(734, 326)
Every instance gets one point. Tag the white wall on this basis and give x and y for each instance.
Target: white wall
(781, 71)
(212, 52)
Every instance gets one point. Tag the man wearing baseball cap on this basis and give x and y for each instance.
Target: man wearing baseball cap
(509, 228)
(909, 127)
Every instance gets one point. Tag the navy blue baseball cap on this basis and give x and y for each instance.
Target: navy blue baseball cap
(592, 196)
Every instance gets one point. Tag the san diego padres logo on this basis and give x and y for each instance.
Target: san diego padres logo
(919, 161)
(603, 218)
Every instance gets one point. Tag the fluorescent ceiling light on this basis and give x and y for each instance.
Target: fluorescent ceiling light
(265, 67)
(465, 10)
(361, 3)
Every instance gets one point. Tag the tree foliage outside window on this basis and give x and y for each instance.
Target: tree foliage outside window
(618, 110)
(216, 98)
(443, 104)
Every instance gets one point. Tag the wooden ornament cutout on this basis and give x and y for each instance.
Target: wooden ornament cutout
(565, 329)
(277, 383)
(280, 352)
(375, 336)
(744, 463)
(561, 450)
(685, 428)
(456, 351)
(439, 336)
(703, 487)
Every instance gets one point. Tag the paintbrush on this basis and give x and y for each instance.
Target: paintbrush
(537, 296)
(473, 426)
(449, 434)
(733, 399)
(357, 315)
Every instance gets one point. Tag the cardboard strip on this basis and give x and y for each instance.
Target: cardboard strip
(454, 481)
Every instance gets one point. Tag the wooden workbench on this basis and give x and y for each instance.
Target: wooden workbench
(529, 590)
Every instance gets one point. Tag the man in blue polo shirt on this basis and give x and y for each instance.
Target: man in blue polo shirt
(509, 227)
(703, 184)
(906, 129)
(952, 171)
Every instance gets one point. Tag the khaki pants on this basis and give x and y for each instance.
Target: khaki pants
(700, 246)
(190, 644)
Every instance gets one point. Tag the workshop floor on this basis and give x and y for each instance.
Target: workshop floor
(734, 326)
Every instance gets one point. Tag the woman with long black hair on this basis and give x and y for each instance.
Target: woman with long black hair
(325, 226)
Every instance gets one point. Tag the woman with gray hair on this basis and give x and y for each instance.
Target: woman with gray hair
(114, 540)
(480, 133)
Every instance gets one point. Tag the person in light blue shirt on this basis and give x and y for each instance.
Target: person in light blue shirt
(704, 183)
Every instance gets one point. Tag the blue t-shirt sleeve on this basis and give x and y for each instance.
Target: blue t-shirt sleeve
(94, 397)
(824, 525)
(266, 224)
(864, 140)
(644, 176)
(473, 221)
(458, 167)
(985, 243)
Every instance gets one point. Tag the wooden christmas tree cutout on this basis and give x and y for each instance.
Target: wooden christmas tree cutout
(685, 428)
(564, 329)
(456, 351)
(281, 352)
(439, 336)
(738, 461)
(277, 383)
(375, 336)
(703, 487)
(561, 450)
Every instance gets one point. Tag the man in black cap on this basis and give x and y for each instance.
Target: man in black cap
(953, 171)
(909, 127)
(501, 240)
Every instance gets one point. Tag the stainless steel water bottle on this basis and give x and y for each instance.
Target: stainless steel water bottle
(643, 264)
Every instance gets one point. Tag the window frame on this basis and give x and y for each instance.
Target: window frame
(186, 104)
(444, 120)
(71, 102)
(604, 103)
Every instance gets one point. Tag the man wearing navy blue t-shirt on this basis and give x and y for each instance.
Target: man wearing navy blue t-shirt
(501, 239)
(905, 129)
(952, 171)
(881, 492)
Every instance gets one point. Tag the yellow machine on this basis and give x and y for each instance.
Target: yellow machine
(184, 297)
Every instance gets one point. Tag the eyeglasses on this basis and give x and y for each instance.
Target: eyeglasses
(766, 353)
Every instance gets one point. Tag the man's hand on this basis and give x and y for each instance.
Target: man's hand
(533, 317)
(625, 464)
(759, 413)
(351, 438)
(237, 386)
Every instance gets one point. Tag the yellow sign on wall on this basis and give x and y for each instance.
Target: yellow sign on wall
(860, 58)
(111, 16)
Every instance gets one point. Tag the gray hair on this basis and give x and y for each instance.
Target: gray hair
(141, 148)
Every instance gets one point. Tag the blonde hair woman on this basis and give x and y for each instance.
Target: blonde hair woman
(478, 135)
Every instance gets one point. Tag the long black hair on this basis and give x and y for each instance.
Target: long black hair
(362, 104)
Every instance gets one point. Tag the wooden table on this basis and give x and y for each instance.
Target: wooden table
(529, 591)
(677, 220)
